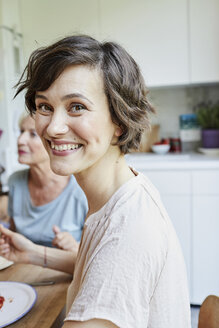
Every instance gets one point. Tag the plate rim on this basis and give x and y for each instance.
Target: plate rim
(29, 306)
(208, 150)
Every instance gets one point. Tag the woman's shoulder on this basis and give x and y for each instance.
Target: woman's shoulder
(132, 193)
(76, 190)
(137, 204)
(18, 176)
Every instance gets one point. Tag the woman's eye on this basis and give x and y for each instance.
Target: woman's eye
(33, 134)
(77, 108)
(43, 108)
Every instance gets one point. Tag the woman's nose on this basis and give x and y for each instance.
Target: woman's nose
(22, 139)
(57, 125)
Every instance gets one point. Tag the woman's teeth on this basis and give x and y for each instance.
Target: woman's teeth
(64, 146)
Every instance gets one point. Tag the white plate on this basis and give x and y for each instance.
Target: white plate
(209, 151)
(19, 299)
(4, 263)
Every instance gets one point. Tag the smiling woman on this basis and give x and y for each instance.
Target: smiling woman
(81, 121)
(90, 106)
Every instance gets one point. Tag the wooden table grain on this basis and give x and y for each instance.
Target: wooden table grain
(50, 299)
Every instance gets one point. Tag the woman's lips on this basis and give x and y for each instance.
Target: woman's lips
(64, 152)
(22, 152)
(62, 148)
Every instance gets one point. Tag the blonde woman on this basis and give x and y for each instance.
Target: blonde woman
(42, 203)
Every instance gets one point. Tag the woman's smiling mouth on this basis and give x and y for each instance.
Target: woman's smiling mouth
(63, 146)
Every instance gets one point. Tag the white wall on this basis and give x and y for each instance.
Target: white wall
(10, 68)
(44, 21)
(9, 14)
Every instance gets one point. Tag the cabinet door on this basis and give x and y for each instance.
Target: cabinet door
(204, 40)
(175, 190)
(179, 210)
(205, 246)
(154, 32)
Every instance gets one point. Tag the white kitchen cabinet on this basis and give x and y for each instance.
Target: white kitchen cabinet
(154, 32)
(179, 210)
(205, 248)
(175, 190)
(190, 193)
(204, 40)
(175, 42)
(206, 182)
(205, 230)
(192, 201)
(54, 19)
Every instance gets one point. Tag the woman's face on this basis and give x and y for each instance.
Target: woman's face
(30, 148)
(74, 122)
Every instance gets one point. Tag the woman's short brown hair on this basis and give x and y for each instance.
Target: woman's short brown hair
(124, 85)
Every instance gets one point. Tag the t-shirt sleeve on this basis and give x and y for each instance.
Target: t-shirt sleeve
(16, 184)
(119, 280)
(10, 196)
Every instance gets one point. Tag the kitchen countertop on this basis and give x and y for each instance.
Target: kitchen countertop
(172, 161)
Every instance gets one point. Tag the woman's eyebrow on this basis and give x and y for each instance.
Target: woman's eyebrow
(40, 97)
(76, 95)
(68, 96)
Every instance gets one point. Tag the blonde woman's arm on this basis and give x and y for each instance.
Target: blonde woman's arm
(17, 248)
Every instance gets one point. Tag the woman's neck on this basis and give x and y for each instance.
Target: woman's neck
(44, 185)
(41, 175)
(100, 182)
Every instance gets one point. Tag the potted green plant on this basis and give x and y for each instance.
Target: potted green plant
(208, 119)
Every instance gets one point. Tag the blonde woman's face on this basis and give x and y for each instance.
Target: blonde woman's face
(30, 148)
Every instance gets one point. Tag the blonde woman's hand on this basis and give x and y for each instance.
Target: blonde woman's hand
(14, 246)
(64, 240)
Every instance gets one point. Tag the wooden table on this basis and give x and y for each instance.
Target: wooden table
(50, 299)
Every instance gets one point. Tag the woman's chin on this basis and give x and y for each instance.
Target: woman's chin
(60, 170)
(22, 161)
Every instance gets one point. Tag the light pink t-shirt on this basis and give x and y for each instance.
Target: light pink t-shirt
(130, 269)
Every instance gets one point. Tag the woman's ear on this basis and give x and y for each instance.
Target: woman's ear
(118, 131)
